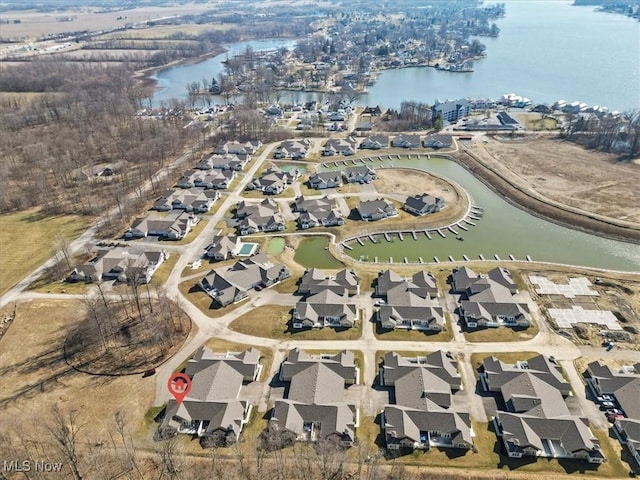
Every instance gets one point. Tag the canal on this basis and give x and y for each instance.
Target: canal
(503, 230)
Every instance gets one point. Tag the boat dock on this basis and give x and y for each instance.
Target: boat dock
(441, 234)
(450, 228)
(400, 236)
(463, 227)
(359, 240)
(386, 236)
(426, 232)
(413, 234)
(466, 259)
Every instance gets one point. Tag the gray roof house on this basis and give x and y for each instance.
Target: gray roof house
(623, 384)
(222, 247)
(274, 181)
(359, 174)
(503, 277)
(230, 285)
(461, 278)
(438, 141)
(194, 200)
(372, 210)
(340, 146)
(211, 179)
(314, 408)
(235, 147)
(259, 217)
(119, 264)
(295, 149)
(223, 162)
(325, 309)
(629, 433)
(322, 180)
(421, 283)
(423, 415)
(302, 204)
(375, 142)
(406, 141)
(320, 218)
(212, 409)
(314, 281)
(423, 204)
(487, 303)
(537, 421)
(174, 226)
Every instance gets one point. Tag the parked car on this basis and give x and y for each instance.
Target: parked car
(607, 398)
(149, 373)
(257, 288)
(379, 302)
(607, 406)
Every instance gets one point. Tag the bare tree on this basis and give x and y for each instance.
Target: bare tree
(64, 430)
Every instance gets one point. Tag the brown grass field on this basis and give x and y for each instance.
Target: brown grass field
(37, 235)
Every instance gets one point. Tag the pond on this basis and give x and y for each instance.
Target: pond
(314, 253)
(276, 246)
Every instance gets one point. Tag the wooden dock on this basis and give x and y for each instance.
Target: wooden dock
(348, 247)
(359, 240)
(420, 260)
(469, 223)
(511, 257)
(386, 236)
(372, 238)
(435, 259)
(413, 234)
(466, 259)
(529, 259)
(441, 234)
(400, 236)
(452, 230)
(496, 256)
(426, 232)
(481, 257)
(406, 260)
(463, 227)
(451, 259)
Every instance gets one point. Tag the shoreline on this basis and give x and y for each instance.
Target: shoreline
(544, 208)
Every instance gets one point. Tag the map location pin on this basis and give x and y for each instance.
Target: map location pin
(179, 386)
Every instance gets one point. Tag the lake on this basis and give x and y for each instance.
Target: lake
(547, 50)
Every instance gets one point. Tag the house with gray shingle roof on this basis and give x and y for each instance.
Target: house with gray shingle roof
(296, 149)
(487, 303)
(119, 263)
(375, 142)
(222, 247)
(314, 409)
(274, 181)
(317, 212)
(173, 226)
(629, 434)
(232, 284)
(406, 141)
(421, 283)
(536, 421)
(322, 180)
(314, 281)
(259, 217)
(621, 383)
(194, 200)
(438, 141)
(359, 174)
(423, 415)
(423, 204)
(340, 146)
(325, 309)
(223, 162)
(212, 410)
(372, 210)
(211, 179)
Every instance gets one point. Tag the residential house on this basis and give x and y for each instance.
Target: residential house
(315, 281)
(628, 431)
(173, 226)
(314, 409)
(370, 110)
(487, 303)
(238, 148)
(322, 180)
(536, 421)
(317, 212)
(406, 141)
(451, 111)
(422, 283)
(232, 284)
(262, 217)
(295, 149)
(274, 181)
(223, 247)
(405, 309)
(438, 141)
(340, 146)
(212, 179)
(375, 142)
(623, 384)
(192, 200)
(212, 410)
(372, 210)
(503, 277)
(423, 414)
(461, 278)
(325, 309)
(302, 204)
(120, 264)
(423, 204)
(223, 162)
(361, 174)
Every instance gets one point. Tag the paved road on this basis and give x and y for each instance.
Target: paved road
(546, 342)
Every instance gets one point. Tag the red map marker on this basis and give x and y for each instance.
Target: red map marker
(179, 386)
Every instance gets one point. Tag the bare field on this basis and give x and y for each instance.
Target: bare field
(591, 181)
(35, 24)
(37, 378)
(106, 54)
(163, 32)
(31, 229)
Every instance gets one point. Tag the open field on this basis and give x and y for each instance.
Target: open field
(272, 321)
(37, 238)
(403, 335)
(163, 31)
(502, 334)
(35, 24)
(567, 173)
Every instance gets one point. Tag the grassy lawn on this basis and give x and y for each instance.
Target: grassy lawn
(41, 285)
(204, 302)
(162, 274)
(272, 321)
(502, 334)
(224, 229)
(508, 357)
(193, 234)
(37, 235)
(403, 335)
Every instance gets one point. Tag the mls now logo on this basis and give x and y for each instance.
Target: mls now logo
(30, 466)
